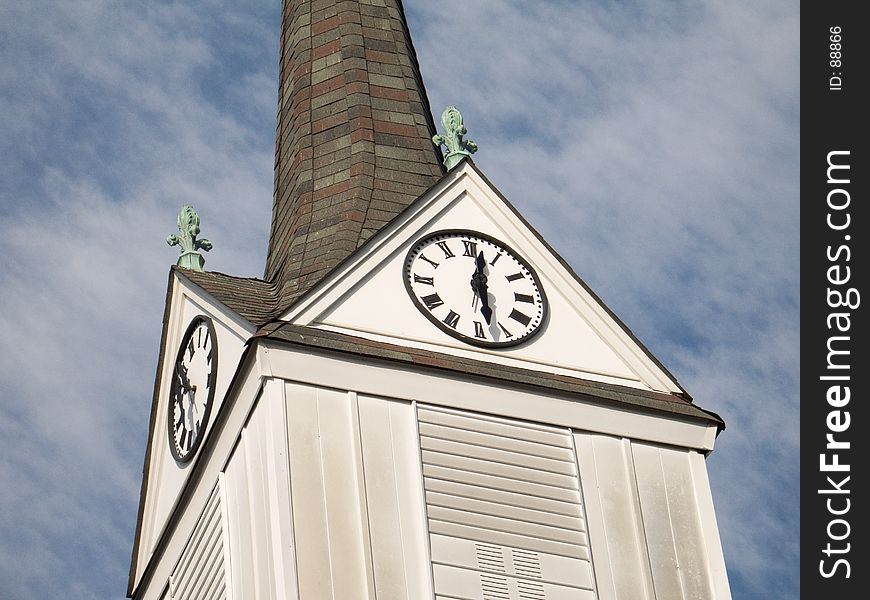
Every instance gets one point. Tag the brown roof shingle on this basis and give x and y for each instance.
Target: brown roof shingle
(254, 299)
(353, 144)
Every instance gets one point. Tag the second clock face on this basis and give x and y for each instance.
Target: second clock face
(475, 288)
(192, 390)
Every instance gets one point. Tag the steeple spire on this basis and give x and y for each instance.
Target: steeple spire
(354, 134)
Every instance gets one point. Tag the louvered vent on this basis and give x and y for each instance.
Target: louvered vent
(200, 573)
(505, 515)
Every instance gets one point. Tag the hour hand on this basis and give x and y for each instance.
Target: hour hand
(478, 284)
(183, 380)
(485, 310)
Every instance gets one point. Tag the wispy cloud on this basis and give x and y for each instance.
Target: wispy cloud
(654, 144)
(118, 114)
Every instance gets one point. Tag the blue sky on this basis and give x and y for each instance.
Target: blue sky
(654, 144)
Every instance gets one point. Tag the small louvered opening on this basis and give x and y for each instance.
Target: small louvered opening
(531, 590)
(200, 573)
(489, 557)
(504, 509)
(494, 588)
(527, 564)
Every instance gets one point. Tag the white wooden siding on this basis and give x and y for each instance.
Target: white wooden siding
(201, 572)
(504, 509)
(262, 549)
(332, 494)
(325, 483)
(357, 498)
(394, 498)
(670, 517)
(649, 521)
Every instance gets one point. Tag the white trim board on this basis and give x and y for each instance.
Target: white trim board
(454, 391)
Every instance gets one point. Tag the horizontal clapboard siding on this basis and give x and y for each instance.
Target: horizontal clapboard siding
(474, 423)
(504, 508)
(478, 479)
(516, 513)
(200, 573)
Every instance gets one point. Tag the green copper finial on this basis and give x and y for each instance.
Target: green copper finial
(188, 227)
(457, 147)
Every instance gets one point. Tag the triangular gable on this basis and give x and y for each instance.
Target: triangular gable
(365, 296)
(164, 478)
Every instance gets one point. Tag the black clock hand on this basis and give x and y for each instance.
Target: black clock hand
(180, 404)
(190, 393)
(475, 277)
(182, 375)
(184, 384)
(478, 284)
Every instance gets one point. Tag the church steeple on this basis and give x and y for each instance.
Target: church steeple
(353, 144)
(489, 428)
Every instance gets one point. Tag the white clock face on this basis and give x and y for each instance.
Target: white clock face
(475, 288)
(192, 388)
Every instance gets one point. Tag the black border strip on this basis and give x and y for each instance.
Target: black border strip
(834, 231)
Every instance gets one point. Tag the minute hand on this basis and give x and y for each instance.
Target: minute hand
(478, 284)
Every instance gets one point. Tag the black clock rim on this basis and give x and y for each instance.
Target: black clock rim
(545, 305)
(212, 378)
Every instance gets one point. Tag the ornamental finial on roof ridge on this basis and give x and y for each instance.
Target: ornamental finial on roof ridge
(188, 228)
(457, 147)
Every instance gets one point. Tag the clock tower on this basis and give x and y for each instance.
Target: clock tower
(420, 398)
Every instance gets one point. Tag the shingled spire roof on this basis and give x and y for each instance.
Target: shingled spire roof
(353, 145)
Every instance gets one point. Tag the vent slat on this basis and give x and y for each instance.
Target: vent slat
(202, 528)
(496, 426)
(498, 455)
(219, 592)
(501, 483)
(210, 581)
(521, 474)
(504, 508)
(501, 510)
(489, 440)
(512, 526)
(213, 563)
(477, 492)
(193, 557)
(201, 573)
(201, 555)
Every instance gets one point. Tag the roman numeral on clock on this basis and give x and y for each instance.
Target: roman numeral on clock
(520, 317)
(431, 262)
(424, 280)
(432, 301)
(479, 332)
(452, 319)
(523, 298)
(514, 277)
(470, 248)
(446, 250)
